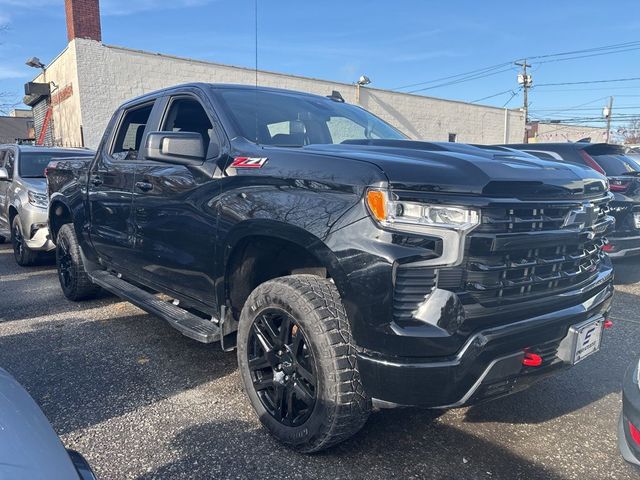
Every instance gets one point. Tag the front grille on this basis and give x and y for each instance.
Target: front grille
(518, 253)
(412, 285)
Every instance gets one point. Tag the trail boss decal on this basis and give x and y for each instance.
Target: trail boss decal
(249, 162)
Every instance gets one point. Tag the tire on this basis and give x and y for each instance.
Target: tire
(76, 284)
(25, 257)
(318, 361)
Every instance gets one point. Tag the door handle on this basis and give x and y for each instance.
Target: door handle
(96, 181)
(144, 186)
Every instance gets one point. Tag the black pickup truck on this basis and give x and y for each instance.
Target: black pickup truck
(351, 267)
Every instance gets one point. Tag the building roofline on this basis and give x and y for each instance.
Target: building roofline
(281, 74)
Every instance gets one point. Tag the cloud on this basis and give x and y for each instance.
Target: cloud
(10, 72)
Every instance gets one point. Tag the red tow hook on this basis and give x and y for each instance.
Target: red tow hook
(608, 324)
(531, 359)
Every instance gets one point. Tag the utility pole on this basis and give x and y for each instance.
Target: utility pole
(607, 112)
(524, 79)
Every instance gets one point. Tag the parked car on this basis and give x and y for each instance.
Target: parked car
(629, 426)
(349, 265)
(23, 198)
(623, 172)
(29, 447)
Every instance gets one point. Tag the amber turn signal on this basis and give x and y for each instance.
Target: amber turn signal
(377, 204)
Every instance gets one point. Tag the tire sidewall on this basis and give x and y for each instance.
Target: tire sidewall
(63, 237)
(288, 300)
(19, 257)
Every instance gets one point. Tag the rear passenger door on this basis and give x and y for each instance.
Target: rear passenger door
(110, 187)
(175, 224)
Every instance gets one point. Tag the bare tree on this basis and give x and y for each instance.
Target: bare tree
(631, 133)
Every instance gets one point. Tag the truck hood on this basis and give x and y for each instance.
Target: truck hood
(465, 169)
(38, 185)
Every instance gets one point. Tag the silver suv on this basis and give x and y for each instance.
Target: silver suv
(23, 197)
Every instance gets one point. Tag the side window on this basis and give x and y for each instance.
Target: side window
(2, 153)
(187, 115)
(9, 162)
(128, 138)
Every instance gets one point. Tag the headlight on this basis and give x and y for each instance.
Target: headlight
(392, 212)
(38, 199)
(449, 223)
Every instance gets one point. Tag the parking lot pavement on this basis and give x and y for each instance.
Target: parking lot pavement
(141, 401)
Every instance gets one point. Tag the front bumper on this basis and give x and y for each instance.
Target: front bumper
(629, 448)
(34, 227)
(623, 246)
(40, 240)
(488, 366)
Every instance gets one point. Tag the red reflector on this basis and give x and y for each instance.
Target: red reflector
(608, 324)
(608, 247)
(531, 359)
(635, 433)
(618, 185)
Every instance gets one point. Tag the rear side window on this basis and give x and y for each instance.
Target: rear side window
(615, 165)
(128, 138)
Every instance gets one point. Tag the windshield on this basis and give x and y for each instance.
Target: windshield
(32, 164)
(283, 119)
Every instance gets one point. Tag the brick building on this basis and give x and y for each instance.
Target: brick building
(78, 91)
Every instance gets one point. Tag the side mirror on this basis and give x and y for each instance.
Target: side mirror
(182, 148)
(4, 175)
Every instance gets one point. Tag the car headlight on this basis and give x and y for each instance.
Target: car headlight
(38, 199)
(448, 222)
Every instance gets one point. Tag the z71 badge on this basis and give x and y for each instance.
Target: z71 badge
(249, 162)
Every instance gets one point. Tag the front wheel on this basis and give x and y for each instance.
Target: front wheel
(24, 256)
(76, 284)
(298, 363)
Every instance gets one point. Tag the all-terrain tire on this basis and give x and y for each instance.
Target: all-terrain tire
(341, 407)
(25, 257)
(76, 284)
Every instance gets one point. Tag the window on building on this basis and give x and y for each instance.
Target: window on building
(129, 134)
(453, 137)
(187, 115)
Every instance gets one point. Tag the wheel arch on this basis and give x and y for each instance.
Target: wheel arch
(256, 253)
(59, 214)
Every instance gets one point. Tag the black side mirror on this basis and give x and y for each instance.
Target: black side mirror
(182, 148)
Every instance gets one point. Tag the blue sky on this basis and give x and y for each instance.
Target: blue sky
(394, 43)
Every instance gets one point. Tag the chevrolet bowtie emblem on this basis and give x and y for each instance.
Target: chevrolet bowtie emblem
(584, 216)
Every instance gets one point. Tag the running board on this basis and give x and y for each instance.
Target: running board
(189, 325)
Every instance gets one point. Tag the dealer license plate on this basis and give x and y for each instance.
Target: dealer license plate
(582, 340)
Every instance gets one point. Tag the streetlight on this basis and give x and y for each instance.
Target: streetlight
(34, 62)
(362, 81)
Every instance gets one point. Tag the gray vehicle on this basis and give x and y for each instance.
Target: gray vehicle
(23, 197)
(29, 447)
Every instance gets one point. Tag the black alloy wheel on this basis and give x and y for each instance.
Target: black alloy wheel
(282, 366)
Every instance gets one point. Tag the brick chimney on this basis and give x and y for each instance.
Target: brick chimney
(83, 19)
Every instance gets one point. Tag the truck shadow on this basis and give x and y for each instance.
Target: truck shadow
(390, 446)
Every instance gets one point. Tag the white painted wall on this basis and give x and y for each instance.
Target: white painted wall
(107, 76)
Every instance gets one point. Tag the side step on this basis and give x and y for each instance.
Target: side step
(189, 325)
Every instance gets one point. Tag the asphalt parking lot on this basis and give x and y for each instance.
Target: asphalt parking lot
(140, 401)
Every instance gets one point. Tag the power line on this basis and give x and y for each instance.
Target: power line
(477, 71)
(588, 81)
(492, 96)
(587, 50)
(465, 79)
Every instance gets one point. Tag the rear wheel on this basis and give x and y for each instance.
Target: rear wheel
(24, 256)
(298, 363)
(76, 284)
